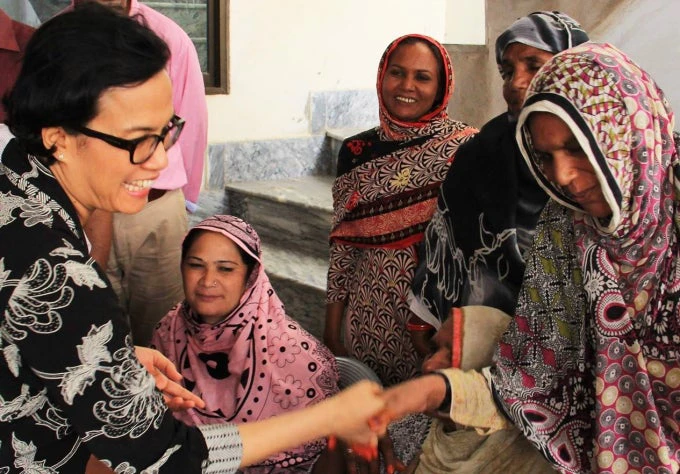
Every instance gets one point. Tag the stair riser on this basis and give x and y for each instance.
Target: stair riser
(283, 224)
(304, 304)
(335, 145)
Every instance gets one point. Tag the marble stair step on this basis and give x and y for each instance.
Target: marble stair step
(292, 213)
(300, 282)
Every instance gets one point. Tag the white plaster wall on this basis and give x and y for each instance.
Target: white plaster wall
(281, 51)
(465, 22)
(648, 32)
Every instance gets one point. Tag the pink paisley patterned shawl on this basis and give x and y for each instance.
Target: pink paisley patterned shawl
(254, 364)
(589, 367)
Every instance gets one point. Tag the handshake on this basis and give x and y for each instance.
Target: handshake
(361, 413)
(358, 415)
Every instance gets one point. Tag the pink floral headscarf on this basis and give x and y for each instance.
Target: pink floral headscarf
(256, 363)
(590, 365)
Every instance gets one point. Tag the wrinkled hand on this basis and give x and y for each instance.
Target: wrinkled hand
(419, 395)
(392, 462)
(353, 414)
(359, 465)
(167, 377)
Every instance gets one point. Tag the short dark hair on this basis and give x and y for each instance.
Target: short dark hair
(70, 61)
(441, 67)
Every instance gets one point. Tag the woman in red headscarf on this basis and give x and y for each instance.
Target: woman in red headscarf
(383, 197)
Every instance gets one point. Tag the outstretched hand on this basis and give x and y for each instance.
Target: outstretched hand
(167, 377)
(353, 414)
(420, 395)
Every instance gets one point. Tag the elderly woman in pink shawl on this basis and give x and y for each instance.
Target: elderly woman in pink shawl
(234, 345)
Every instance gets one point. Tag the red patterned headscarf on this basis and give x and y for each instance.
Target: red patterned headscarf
(388, 199)
(394, 129)
(589, 367)
(254, 364)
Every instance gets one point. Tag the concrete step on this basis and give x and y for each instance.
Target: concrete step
(300, 281)
(292, 213)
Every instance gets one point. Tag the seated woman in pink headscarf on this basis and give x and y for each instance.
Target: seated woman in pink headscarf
(234, 345)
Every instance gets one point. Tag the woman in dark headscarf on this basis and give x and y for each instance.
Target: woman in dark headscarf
(475, 249)
(489, 203)
(589, 368)
(383, 197)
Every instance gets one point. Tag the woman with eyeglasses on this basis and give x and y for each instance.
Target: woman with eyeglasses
(90, 119)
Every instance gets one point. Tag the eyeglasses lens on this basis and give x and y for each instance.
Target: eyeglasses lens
(145, 149)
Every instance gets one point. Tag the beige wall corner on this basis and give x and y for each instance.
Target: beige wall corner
(478, 96)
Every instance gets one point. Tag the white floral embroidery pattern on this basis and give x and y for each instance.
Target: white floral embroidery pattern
(155, 467)
(35, 302)
(3, 273)
(449, 282)
(133, 405)
(67, 251)
(126, 468)
(54, 421)
(38, 207)
(11, 353)
(8, 203)
(92, 352)
(25, 458)
(23, 405)
(122, 468)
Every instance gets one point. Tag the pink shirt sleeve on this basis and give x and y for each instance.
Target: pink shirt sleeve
(189, 101)
(187, 157)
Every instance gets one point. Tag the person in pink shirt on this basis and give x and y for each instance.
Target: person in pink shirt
(13, 39)
(141, 252)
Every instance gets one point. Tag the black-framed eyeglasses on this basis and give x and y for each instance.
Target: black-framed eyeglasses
(142, 148)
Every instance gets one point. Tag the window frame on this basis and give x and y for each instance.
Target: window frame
(216, 78)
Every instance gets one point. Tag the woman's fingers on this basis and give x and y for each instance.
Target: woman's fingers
(166, 378)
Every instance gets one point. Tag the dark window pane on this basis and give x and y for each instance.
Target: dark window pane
(205, 21)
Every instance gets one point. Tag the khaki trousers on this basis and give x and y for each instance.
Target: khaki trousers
(466, 452)
(144, 264)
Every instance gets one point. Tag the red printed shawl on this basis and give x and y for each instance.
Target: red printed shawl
(389, 177)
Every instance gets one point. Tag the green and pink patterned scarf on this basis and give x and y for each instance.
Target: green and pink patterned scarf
(589, 367)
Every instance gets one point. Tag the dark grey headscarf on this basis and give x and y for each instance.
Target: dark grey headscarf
(550, 31)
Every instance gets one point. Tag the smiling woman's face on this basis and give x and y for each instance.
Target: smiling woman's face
(214, 276)
(410, 82)
(565, 164)
(97, 175)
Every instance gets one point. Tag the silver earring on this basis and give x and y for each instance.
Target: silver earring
(60, 156)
